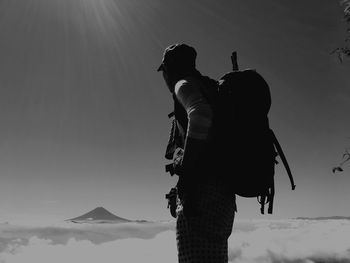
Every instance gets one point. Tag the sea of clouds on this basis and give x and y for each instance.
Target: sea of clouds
(252, 241)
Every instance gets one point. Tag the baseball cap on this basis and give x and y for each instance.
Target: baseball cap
(178, 55)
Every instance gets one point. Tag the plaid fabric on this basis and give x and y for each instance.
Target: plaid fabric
(203, 239)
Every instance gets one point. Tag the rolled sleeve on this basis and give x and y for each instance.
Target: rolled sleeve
(199, 112)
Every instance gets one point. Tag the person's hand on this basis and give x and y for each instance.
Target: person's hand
(177, 161)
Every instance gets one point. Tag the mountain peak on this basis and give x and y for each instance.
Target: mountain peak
(99, 214)
(100, 209)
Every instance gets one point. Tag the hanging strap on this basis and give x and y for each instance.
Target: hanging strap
(283, 158)
(271, 197)
(262, 203)
(267, 198)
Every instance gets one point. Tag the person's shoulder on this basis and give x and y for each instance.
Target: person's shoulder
(186, 85)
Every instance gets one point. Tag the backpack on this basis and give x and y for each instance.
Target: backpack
(242, 137)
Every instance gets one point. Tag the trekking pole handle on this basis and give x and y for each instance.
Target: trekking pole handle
(234, 61)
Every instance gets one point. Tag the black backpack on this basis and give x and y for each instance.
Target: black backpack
(242, 137)
(248, 146)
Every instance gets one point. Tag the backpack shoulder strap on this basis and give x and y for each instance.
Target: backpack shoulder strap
(283, 158)
(171, 146)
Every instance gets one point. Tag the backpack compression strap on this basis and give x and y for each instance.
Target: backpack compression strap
(283, 158)
(268, 198)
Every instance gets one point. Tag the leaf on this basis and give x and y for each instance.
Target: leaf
(337, 169)
(346, 155)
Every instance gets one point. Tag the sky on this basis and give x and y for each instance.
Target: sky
(83, 111)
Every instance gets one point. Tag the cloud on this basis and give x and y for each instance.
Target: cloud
(288, 241)
(130, 242)
(96, 234)
(292, 241)
(159, 249)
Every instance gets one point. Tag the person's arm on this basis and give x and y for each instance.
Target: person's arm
(200, 117)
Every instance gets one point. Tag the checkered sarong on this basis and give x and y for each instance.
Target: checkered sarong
(203, 239)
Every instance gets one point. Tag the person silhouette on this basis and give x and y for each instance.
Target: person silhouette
(205, 207)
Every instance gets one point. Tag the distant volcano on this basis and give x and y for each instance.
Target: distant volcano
(99, 215)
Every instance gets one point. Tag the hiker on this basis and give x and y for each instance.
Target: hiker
(205, 207)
